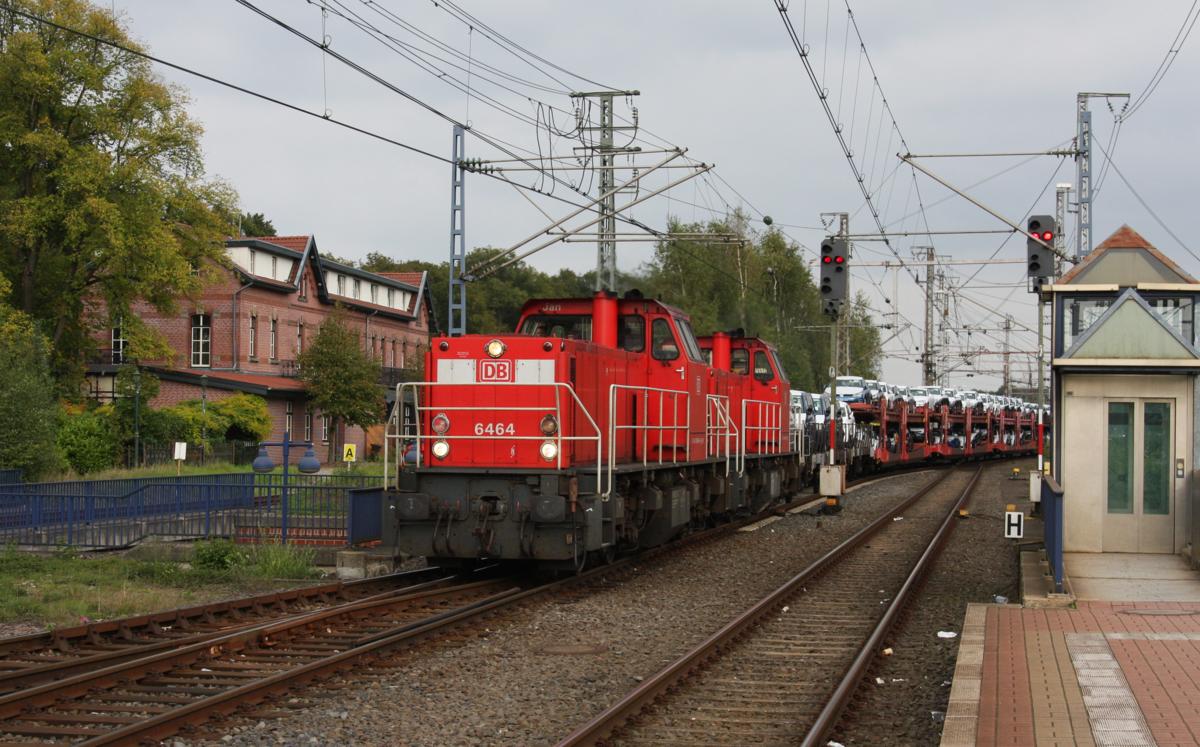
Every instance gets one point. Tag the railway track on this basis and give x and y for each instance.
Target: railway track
(782, 671)
(41, 657)
(146, 678)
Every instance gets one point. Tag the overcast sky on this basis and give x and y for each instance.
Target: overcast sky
(723, 80)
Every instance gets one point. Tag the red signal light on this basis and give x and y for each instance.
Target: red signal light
(826, 259)
(1047, 236)
(840, 260)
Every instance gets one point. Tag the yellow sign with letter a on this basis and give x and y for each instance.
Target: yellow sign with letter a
(349, 453)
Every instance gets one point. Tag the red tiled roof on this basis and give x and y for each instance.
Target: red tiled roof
(411, 278)
(1125, 238)
(295, 243)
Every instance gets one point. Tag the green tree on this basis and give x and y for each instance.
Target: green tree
(255, 224)
(342, 380)
(27, 402)
(102, 194)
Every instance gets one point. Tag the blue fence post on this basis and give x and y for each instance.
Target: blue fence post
(1052, 501)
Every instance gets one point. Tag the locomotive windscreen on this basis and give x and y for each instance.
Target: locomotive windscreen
(567, 326)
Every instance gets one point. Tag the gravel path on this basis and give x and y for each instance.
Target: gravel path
(976, 565)
(532, 675)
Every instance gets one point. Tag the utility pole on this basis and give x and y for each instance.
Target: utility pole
(1007, 352)
(606, 240)
(456, 320)
(1062, 193)
(1083, 167)
(929, 375)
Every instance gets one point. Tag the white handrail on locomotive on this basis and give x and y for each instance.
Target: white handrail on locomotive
(416, 436)
(722, 430)
(646, 427)
(774, 413)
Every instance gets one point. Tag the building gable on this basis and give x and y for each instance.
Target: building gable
(1130, 330)
(1125, 259)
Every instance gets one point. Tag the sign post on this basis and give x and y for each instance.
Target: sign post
(180, 456)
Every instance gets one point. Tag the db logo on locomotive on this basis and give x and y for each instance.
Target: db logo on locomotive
(494, 371)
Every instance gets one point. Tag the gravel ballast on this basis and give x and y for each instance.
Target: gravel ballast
(534, 674)
(908, 707)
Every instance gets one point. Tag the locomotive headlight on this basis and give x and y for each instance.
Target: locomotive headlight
(441, 449)
(549, 451)
(495, 348)
(549, 425)
(441, 423)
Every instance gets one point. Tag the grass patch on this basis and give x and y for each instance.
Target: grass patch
(69, 589)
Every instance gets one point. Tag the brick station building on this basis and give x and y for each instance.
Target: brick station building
(246, 330)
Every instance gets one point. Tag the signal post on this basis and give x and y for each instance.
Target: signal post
(835, 284)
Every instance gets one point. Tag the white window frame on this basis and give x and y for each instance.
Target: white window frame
(324, 429)
(392, 297)
(374, 293)
(253, 254)
(201, 341)
(274, 337)
(253, 348)
(341, 284)
(274, 267)
(299, 339)
(357, 288)
(119, 343)
(308, 424)
(287, 418)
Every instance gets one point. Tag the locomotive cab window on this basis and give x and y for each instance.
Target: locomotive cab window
(739, 361)
(662, 341)
(762, 367)
(566, 326)
(689, 340)
(631, 333)
(778, 364)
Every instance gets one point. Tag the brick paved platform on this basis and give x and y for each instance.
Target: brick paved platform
(1106, 674)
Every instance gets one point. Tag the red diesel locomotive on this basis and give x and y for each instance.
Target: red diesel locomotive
(605, 425)
(598, 427)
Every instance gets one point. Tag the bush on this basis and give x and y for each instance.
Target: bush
(87, 442)
(218, 555)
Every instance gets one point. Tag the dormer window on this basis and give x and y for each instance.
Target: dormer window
(391, 297)
(357, 288)
(374, 293)
(253, 254)
(274, 267)
(341, 285)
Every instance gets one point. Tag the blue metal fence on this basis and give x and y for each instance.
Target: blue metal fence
(10, 476)
(306, 509)
(1052, 513)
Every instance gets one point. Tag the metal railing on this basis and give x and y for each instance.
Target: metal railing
(408, 432)
(10, 476)
(306, 509)
(645, 428)
(721, 435)
(769, 426)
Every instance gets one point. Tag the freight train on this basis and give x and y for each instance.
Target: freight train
(605, 425)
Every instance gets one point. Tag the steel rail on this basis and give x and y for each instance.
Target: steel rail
(125, 628)
(63, 668)
(828, 717)
(601, 727)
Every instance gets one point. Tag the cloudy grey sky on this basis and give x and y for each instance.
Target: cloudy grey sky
(722, 79)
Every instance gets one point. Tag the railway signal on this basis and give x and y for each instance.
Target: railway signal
(1040, 233)
(835, 273)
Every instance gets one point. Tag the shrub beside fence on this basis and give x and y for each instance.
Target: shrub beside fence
(306, 509)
